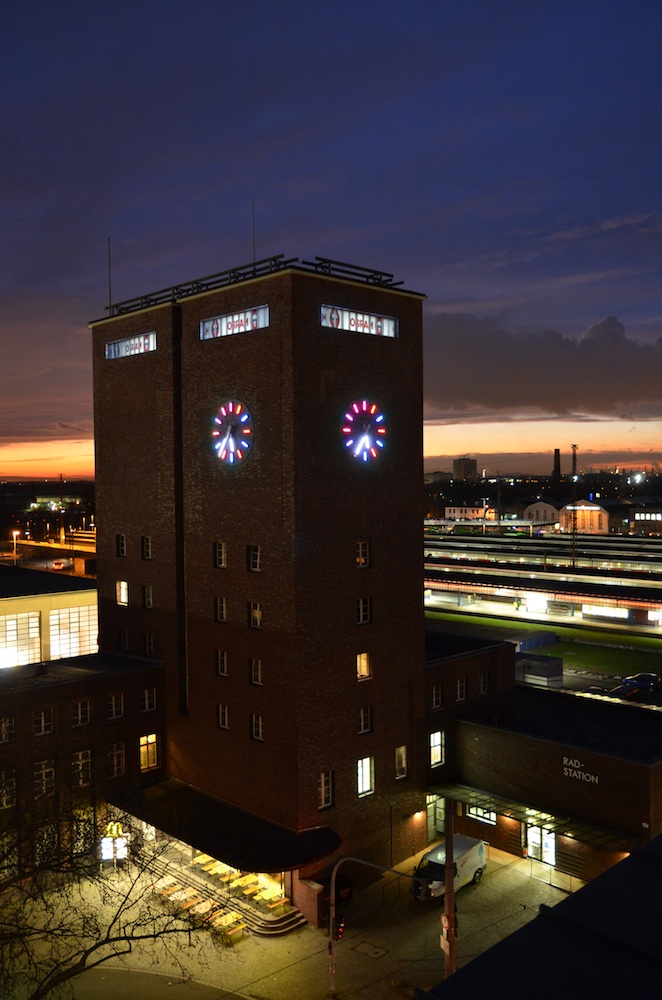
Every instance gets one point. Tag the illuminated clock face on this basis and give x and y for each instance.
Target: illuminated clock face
(232, 432)
(364, 430)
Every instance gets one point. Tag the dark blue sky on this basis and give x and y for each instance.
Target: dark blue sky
(504, 158)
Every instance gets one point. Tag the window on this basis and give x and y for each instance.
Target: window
(123, 638)
(363, 669)
(120, 545)
(256, 670)
(437, 696)
(482, 815)
(325, 790)
(7, 789)
(148, 596)
(220, 609)
(221, 663)
(401, 762)
(149, 752)
(81, 768)
(6, 729)
(73, 631)
(365, 720)
(363, 611)
(365, 776)
(484, 682)
(115, 705)
(20, 638)
(223, 716)
(116, 760)
(255, 614)
(80, 712)
(220, 555)
(437, 749)
(148, 643)
(460, 689)
(148, 699)
(44, 778)
(253, 558)
(257, 731)
(145, 547)
(43, 721)
(362, 555)
(122, 592)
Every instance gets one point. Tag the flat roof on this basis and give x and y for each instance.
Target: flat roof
(71, 669)
(16, 581)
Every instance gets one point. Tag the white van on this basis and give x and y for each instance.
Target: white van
(469, 862)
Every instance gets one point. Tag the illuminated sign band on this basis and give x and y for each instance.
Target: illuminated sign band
(344, 319)
(224, 326)
(141, 344)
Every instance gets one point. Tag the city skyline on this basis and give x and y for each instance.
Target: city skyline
(500, 159)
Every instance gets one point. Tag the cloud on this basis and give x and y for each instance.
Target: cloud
(474, 367)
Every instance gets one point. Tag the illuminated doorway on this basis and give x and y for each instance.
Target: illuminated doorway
(541, 844)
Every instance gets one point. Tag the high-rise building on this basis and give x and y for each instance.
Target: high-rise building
(258, 455)
(465, 468)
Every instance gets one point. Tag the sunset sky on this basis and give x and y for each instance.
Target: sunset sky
(503, 158)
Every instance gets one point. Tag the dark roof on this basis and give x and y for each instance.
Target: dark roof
(602, 941)
(15, 581)
(240, 838)
(72, 669)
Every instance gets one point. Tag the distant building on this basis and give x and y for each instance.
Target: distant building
(465, 468)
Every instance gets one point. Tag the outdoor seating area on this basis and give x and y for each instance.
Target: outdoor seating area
(231, 901)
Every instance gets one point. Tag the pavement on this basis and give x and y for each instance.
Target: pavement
(390, 945)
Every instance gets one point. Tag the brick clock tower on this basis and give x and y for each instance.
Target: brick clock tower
(259, 508)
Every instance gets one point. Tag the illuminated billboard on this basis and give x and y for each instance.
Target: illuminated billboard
(141, 344)
(336, 318)
(256, 318)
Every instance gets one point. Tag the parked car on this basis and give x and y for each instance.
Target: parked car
(61, 563)
(645, 682)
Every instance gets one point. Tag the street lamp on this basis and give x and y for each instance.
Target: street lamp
(15, 535)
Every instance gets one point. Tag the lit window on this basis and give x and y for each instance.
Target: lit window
(325, 790)
(365, 776)
(43, 721)
(7, 792)
(482, 815)
(122, 592)
(362, 555)
(363, 610)
(81, 768)
(401, 762)
(256, 670)
(73, 631)
(145, 547)
(220, 555)
(253, 558)
(484, 682)
(460, 689)
(222, 715)
(115, 706)
(365, 720)
(116, 760)
(120, 545)
(80, 713)
(255, 614)
(437, 696)
(148, 699)
(148, 596)
(363, 669)
(257, 732)
(149, 752)
(148, 643)
(437, 749)
(44, 778)
(6, 729)
(221, 663)
(220, 609)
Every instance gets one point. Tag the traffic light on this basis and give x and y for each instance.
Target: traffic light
(338, 928)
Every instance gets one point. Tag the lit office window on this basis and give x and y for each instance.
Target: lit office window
(73, 631)
(20, 639)
(122, 592)
(437, 748)
(365, 776)
(149, 752)
(363, 668)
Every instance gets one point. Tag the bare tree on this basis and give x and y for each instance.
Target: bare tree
(73, 915)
